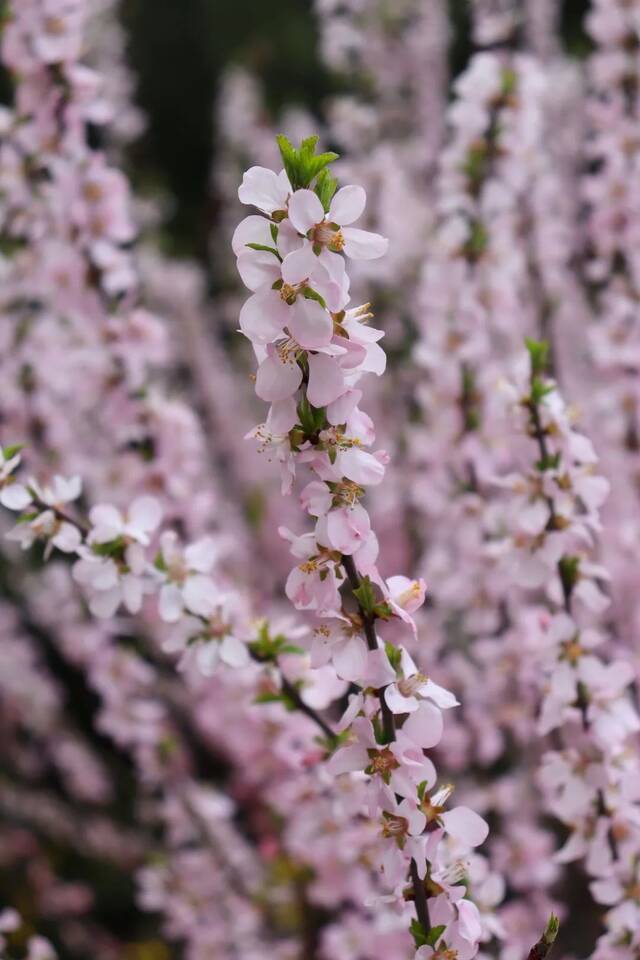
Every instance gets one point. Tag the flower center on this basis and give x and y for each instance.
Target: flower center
(394, 827)
(383, 762)
(411, 685)
(54, 26)
(287, 293)
(337, 241)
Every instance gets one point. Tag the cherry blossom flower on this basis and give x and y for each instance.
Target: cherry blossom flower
(183, 572)
(333, 230)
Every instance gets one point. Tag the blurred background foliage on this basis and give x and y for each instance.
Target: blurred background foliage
(179, 50)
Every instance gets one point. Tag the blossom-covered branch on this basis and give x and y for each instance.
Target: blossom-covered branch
(312, 350)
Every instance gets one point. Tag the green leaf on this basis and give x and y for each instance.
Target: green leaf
(326, 186)
(569, 570)
(274, 232)
(289, 156)
(306, 417)
(303, 165)
(159, 563)
(418, 933)
(319, 418)
(267, 648)
(434, 934)
(269, 698)
(538, 354)
(422, 789)
(394, 655)
(12, 450)
(365, 595)
(317, 164)
(262, 246)
(383, 611)
(114, 548)
(551, 932)
(549, 462)
(478, 240)
(475, 164)
(509, 82)
(539, 390)
(310, 294)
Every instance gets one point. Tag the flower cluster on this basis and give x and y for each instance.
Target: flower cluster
(119, 560)
(312, 351)
(590, 782)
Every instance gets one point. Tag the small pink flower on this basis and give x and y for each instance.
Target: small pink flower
(264, 189)
(308, 217)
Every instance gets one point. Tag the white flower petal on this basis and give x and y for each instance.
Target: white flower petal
(363, 245)
(305, 210)
(15, 497)
(347, 205)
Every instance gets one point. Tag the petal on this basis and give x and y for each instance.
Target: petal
(276, 380)
(263, 188)
(202, 554)
(347, 760)
(105, 603)
(425, 726)
(361, 467)
(207, 657)
(233, 652)
(465, 825)
(145, 514)
(326, 380)
(170, 603)
(348, 528)
(263, 316)
(299, 265)
(442, 697)
(65, 490)
(350, 659)
(363, 245)
(199, 594)
(258, 268)
(310, 324)
(341, 409)
(107, 522)
(253, 229)
(347, 205)
(282, 416)
(15, 497)
(398, 703)
(316, 498)
(305, 210)
(132, 593)
(288, 238)
(67, 539)
(469, 925)
(135, 558)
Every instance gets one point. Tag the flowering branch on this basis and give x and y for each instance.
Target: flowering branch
(554, 514)
(312, 350)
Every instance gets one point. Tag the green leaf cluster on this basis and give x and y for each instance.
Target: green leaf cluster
(267, 648)
(424, 938)
(303, 165)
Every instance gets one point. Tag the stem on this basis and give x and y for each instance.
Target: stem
(61, 515)
(420, 897)
(294, 695)
(368, 623)
(388, 720)
(541, 949)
